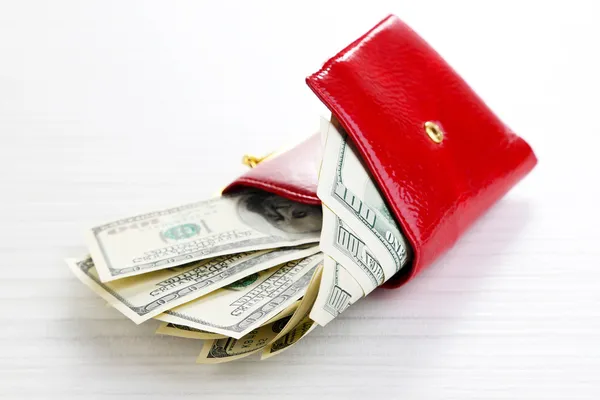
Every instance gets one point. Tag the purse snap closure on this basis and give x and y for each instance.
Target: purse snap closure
(434, 132)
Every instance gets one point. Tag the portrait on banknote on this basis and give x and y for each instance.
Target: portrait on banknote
(276, 215)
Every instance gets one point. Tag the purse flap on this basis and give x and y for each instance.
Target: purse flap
(292, 174)
(438, 154)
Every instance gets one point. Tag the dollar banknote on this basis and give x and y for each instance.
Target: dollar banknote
(347, 247)
(231, 349)
(264, 337)
(235, 311)
(338, 291)
(300, 324)
(347, 189)
(247, 221)
(169, 329)
(183, 331)
(281, 330)
(142, 297)
(303, 328)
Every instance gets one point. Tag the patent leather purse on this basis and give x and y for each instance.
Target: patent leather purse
(438, 154)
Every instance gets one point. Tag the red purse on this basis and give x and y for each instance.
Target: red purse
(438, 154)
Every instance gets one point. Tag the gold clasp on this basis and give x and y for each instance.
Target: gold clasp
(435, 133)
(252, 161)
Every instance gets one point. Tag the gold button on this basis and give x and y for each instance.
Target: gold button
(434, 132)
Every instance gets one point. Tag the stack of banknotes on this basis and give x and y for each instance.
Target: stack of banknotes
(250, 272)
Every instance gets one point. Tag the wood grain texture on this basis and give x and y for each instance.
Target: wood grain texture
(112, 108)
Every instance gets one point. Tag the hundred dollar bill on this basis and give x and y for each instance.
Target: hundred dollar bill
(348, 248)
(280, 326)
(347, 189)
(303, 328)
(169, 329)
(247, 221)
(236, 311)
(230, 349)
(142, 297)
(186, 332)
(300, 323)
(338, 291)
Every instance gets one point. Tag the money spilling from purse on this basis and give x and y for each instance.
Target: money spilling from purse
(250, 272)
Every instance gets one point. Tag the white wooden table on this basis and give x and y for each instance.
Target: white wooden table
(111, 108)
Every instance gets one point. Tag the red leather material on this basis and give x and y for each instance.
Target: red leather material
(292, 174)
(382, 89)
